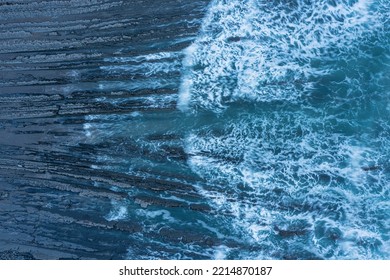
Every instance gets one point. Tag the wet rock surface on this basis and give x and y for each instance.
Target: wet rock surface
(55, 191)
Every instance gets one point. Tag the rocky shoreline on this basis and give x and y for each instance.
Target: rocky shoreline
(52, 202)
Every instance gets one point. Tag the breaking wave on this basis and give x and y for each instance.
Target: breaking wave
(291, 131)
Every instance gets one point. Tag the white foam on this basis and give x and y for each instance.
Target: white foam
(265, 152)
(146, 69)
(220, 252)
(259, 50)
(144, 58)
(211, 229)
(87, 129)
(118, 212)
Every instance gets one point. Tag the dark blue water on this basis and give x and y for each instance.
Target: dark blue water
(281, 128)
(238, 130)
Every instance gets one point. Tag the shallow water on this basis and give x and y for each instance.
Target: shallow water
(204, 130)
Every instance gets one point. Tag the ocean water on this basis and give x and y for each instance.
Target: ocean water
(281, 128)
(246, 129)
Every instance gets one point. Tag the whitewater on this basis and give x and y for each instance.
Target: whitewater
(266, 137)
(294, 136)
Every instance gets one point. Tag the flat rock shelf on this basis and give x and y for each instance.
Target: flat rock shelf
(67, 66)
(178, 129)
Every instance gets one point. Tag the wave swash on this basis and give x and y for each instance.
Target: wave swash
(292, 135)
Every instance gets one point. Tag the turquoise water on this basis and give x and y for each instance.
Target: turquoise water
(280, 129)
